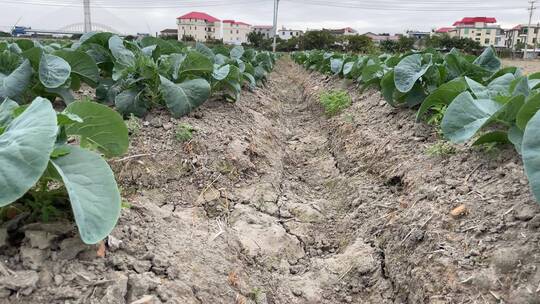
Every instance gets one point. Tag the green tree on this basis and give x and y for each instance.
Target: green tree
(359, 44)
(318, 40)
(405, 44)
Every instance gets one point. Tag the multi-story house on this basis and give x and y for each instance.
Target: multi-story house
(200, 26)
(266, 30)
(481, 29)
(344, 31)
(450, 31)
(519, 36)
(286, 34)
(235, 32)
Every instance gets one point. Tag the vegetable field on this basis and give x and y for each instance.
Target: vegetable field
(192, 174)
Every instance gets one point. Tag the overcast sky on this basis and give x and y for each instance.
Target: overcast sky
(394, 16)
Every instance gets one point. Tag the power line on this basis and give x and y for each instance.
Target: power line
(402, 6)
(144, 5)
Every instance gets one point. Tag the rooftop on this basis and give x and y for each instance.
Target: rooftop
(236, 22)
(473, 20)
(444, 30)
(199, 16)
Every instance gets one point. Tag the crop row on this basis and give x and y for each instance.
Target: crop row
(53, 160)
(468, 97)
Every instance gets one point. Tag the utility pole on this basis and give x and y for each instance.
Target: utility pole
(276, 7)
(531, 11)
(537, 30)
(87, 19)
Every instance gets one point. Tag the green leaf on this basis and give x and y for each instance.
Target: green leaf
(95, 199)
(515, 136)
(15, 84)
(520, 86)
(508, 112)
(130, 102)
(6, 111)
(101, 127)
(183, 98)
(388, 88)
(488, 60)
(221, 73)
(197, 64)
(501, 85)
(445, 94)
(531, 107)
(25, 147)
(492, 137)
(531, 154)
(66, 118)
(465, 116)
(237, 52)
(53, 71)
(336, 65)
(64, 93)
(348, 67)
(408, 71)
(60, 151)
(477, 88)
(123, 56)
(203, 49)
(82, 64)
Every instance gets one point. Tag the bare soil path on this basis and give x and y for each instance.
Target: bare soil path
(271, 202)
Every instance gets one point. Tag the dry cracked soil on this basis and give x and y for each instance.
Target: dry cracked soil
(272, 202)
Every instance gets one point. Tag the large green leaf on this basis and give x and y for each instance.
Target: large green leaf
(6, 111)
(25, 147)
(53, 71)
(336, 65)
(203, 49)
(101, 127)
(408, 71)
(478, 89)
(515, 136)
(95, 199)
(82, 64)
(445, 94)
(531, 107)
(388, 88)
(488, 60)
(221, 73)
(130, 101)
(196, 63)
(531, 154)
(123, 56)
(492, 137)
(183, 98)
(465, 116)
(16, 83)
(237, 52)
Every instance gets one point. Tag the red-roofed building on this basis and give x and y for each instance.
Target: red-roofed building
(481, 29)
(235, 32)
(198, 25)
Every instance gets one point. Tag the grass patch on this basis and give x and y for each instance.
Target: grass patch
(133, 124)
(442, 148)
(334, 101)
(184, 132)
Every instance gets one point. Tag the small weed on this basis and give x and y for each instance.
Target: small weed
(133, 124)
(334, 101)
(256, 295)
(126, 205)
(184, 132)
(441, 148)
(349, 118)
(226, 168)
(437, 114)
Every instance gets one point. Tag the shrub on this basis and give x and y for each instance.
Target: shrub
(334, 101)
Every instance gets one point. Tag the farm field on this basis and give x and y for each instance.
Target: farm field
(279, 203)
(256, 178)
(528, 66)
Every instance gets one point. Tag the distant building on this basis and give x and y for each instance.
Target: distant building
(235, 32)
(377, 38)
(287, 34)
(168, 33)
(203, 27)
(344, 31)
(520, 36)
(450, 31)
(200, 26)
(481, 29)
(266, 30)
(418, 34)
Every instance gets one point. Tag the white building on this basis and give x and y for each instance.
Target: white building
(203, 27)
(481, 29)
(519, 36)
(286, 34)
(266, 30)
(235, 32)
